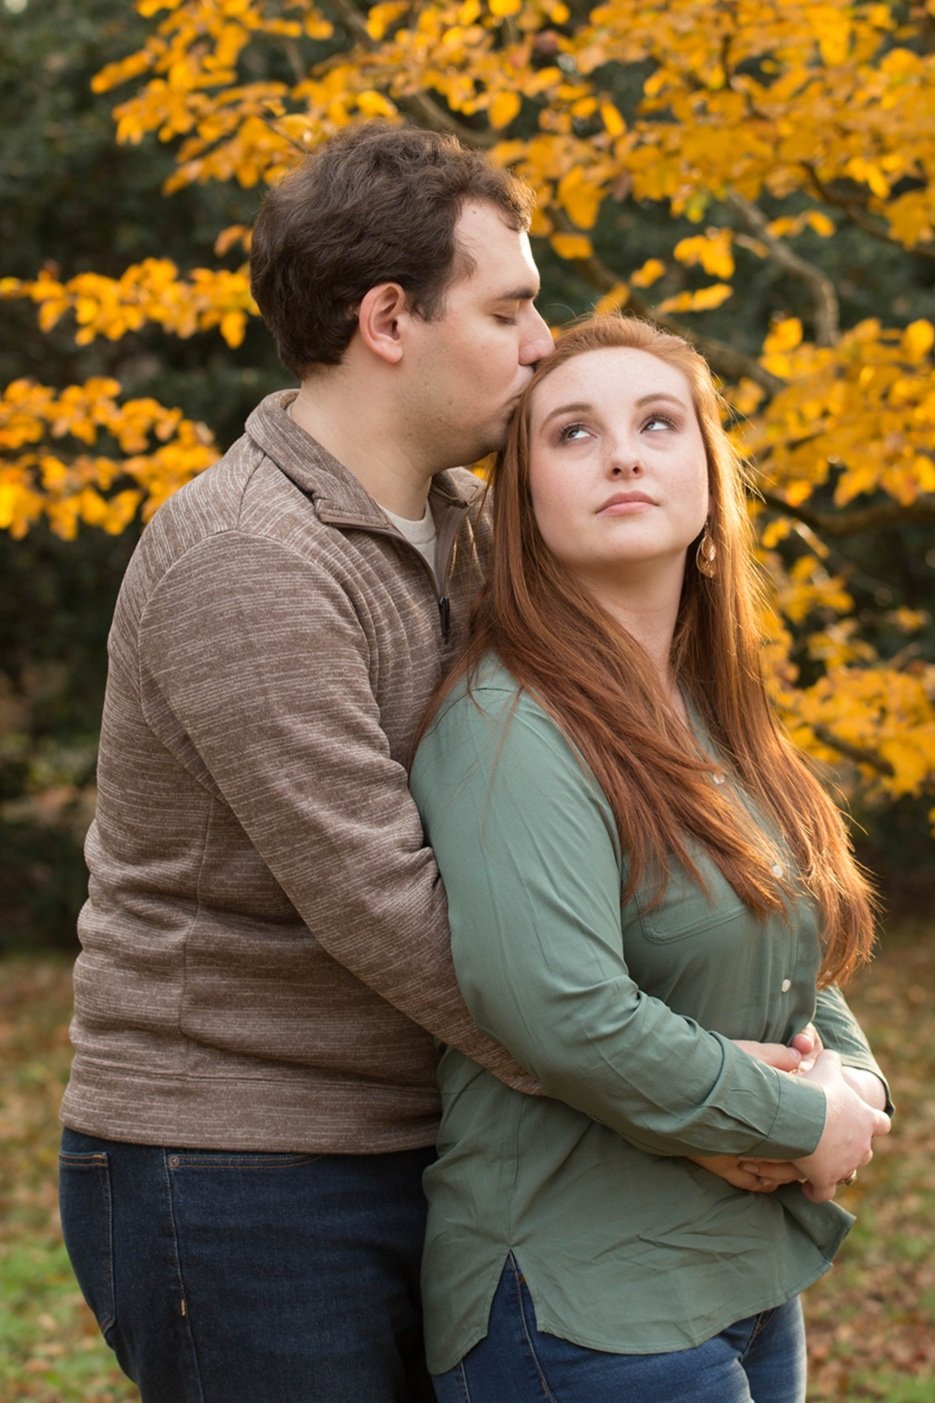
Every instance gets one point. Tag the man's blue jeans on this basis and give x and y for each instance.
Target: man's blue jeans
(760, 1359)
(251, 1278)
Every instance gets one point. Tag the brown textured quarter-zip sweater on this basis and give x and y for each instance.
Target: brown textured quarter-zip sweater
(264, 948)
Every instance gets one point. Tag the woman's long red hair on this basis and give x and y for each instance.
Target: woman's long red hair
(599, 685)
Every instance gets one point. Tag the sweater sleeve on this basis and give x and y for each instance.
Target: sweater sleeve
(527, 847)
(256, 673)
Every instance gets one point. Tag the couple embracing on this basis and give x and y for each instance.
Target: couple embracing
(413, 797)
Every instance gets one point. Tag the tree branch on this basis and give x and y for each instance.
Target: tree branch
(859, 215)
(726, 360)
(858, 753)
(824, 295)
(418, 105)
(879, 517)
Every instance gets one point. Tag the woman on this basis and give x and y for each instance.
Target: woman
(608, 732)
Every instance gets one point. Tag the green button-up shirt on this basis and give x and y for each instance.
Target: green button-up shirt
(625, 1014)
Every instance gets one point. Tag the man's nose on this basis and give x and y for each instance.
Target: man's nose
(537, 341)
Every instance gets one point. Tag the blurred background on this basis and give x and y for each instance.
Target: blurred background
(760, 178)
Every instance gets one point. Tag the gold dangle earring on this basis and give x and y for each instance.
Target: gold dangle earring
(706, 554)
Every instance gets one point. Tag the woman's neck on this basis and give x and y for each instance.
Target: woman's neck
(649, 616)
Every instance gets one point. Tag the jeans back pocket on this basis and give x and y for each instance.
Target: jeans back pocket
(86, 1208)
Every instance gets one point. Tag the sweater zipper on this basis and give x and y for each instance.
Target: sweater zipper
(452, 523)
(446, 543)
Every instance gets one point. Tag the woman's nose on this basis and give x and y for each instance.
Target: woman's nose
(625, 462)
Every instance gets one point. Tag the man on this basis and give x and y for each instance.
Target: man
(264, 949)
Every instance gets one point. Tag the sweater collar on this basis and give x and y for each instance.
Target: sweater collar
(338, 495)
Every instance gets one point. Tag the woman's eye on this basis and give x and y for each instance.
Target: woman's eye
(571, 432)
(659, 421)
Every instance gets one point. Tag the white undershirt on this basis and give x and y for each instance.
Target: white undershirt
(421, 534)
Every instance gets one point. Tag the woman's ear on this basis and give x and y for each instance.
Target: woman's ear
(378, 319)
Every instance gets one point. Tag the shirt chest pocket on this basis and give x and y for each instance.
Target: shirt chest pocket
(687, 910)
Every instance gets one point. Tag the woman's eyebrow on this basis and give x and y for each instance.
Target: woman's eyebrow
(658, 395)
(576, 407)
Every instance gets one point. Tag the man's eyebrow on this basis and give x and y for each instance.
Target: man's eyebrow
(520, 294)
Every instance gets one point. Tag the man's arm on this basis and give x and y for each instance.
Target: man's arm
(256, 673)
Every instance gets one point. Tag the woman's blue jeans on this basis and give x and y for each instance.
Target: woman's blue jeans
(761, 1359)
(251, 1278)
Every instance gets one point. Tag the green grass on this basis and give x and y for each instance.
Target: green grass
(871, 1319)
(50, 1349)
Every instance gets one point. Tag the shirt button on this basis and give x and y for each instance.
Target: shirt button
(786, 985)
(776, 869)
(719, 779)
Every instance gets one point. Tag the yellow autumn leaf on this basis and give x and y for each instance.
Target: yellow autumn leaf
(784, 335)
(503, 108)
(380, 17)
(579, 197)
(820, 223)
(918, 339)
(317, 27)
(121, 511)
(541, 224)
(712, 251)
(227, 238)
(612, 301)
(374, 104)
(650, 272)
(774, 532)
(910, 763)
(909, 620)
(798, 492)
(504, 8)
(869, 174)
(614, 124)
(10, 498)
(50, 313)
(747, 396)
(233, 326)
(703, 300)
(571, 245)
(834, 34)
(785, 227)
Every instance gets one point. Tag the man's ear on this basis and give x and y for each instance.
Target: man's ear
(378, 320)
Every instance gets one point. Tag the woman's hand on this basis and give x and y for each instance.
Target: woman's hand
(760, 1176)
(851, 1123)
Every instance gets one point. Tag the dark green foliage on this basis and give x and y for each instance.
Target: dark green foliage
(71, 197)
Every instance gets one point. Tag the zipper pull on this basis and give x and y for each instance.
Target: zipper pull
(444, 609)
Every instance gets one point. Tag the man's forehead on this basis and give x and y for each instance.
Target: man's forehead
(502, 259)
